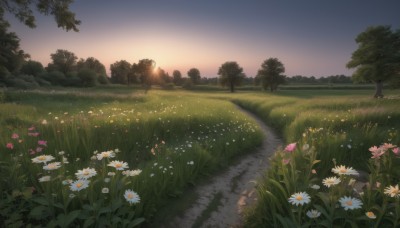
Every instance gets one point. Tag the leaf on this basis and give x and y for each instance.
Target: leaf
(38, 212)
(41, 201)
(136, 222)
(88, 222)
(65, 220)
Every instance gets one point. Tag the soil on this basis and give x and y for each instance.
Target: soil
(237, 185)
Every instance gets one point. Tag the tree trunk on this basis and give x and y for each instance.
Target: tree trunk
(378, 89)
(232, 87)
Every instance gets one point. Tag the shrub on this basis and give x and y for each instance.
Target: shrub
(103, 79)
(88, 77)
(54, 77)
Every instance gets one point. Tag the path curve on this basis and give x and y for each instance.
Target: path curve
(245, 172)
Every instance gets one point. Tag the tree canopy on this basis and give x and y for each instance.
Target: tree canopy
(270, 74)
(23, 11)
(177, 77)
(120, 71)
(63, 61)
(194, 75)
(377, 58)
(231, 74)
(144, 70)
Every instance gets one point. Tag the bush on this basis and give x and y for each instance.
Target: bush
(20, 83)
(42, 82)
(88, 77)
(54, 77)
(103, 79)
(168, 86)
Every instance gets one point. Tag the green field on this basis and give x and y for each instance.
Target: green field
(172, 139)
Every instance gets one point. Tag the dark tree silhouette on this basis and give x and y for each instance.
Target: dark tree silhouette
(194, 75)
(120, 71)
(177, 77)
(63, 61)
(231, 74)
(377, 58)
(270, 74)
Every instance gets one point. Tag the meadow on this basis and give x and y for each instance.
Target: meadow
(114, 156)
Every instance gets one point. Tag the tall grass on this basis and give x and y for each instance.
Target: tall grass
(170, 139)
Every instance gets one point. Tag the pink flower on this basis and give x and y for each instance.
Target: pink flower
(388, 146)
(31, 152)
(376, 152)
(286, 161)
(396, 150)
(15, 136)
(39, 149)
(10, 146)
(291, 147)
(314, 171)
(42, 143)
(35, 134)
(31, 128)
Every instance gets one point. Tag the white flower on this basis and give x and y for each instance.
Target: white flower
(111, 174)
(329, 181)
(105, 190)
(370, 215)
(392, 191)
(65, 160)
(44, 179)
(105, 154)
(315, 186)
(79, 185)
(42, 159)
(131, 173)
(61, 153)
(52, 166)
(313, 214)
(131, 196)
(343, 170)
(119, 165)
(350, 203)
(86, 173)
(299, 198)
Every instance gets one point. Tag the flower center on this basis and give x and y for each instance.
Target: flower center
(78, 185)
(119, 165)
(370, 214)
(349, 203)
(342, 170)
(299, 198)
(130, 196)
(86, 173)
(42, 158)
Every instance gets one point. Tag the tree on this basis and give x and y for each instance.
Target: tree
(31, 67)
(231, 74)
(22, 10)
(11, 56)
(194, 75)
(144, 70)
(270, 74)
(63, 61)
(92, 64)
(177, 77)
(377, 58)
(88, 77)
(120, 71)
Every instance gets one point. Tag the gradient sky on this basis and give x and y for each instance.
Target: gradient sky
(310, 37)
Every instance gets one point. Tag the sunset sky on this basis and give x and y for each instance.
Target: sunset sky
(310, 37)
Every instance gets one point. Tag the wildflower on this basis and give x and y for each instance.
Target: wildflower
(111, 174)
(105, 154)
(291, 147)
(65, 182)
(396, 150)
(44, 122)
(10, 146)
(31, 128)
(107, 179)
(86, 173)
(329, 181)
(44, 179)
(52, 166)
(65, 160)
(61, 153)
(299, 198)
(42, 159)
(315, 186)
(313, 214)
(119, 165)
(131, 196)
(376, 152)
(314, 171)
(15, 136)
(72, 195)
(79, 185)
(305, 147)
(105, 190)
(39, 149)
(393, 191)
(42, 143)
(370, 215)
(286, 161)
(350, 203)
(343, 170)
(387, 146)
(131, 173)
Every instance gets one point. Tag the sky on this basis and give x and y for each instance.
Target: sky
(310, 37)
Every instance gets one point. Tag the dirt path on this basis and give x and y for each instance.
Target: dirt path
(234, 198)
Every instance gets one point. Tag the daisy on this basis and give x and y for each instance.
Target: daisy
(313, 214)
(299, 198)
(350, 203)
(79, 185)
(315, 186)
(42, 159)
(329, 181)
(370, 215)
(86, 173)
(393, 191)
(52, 166)
(119, 165)
(44, 179)
(105, 154)
(105, 190)
(131, 173)
(343, 170)
(132, 197)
